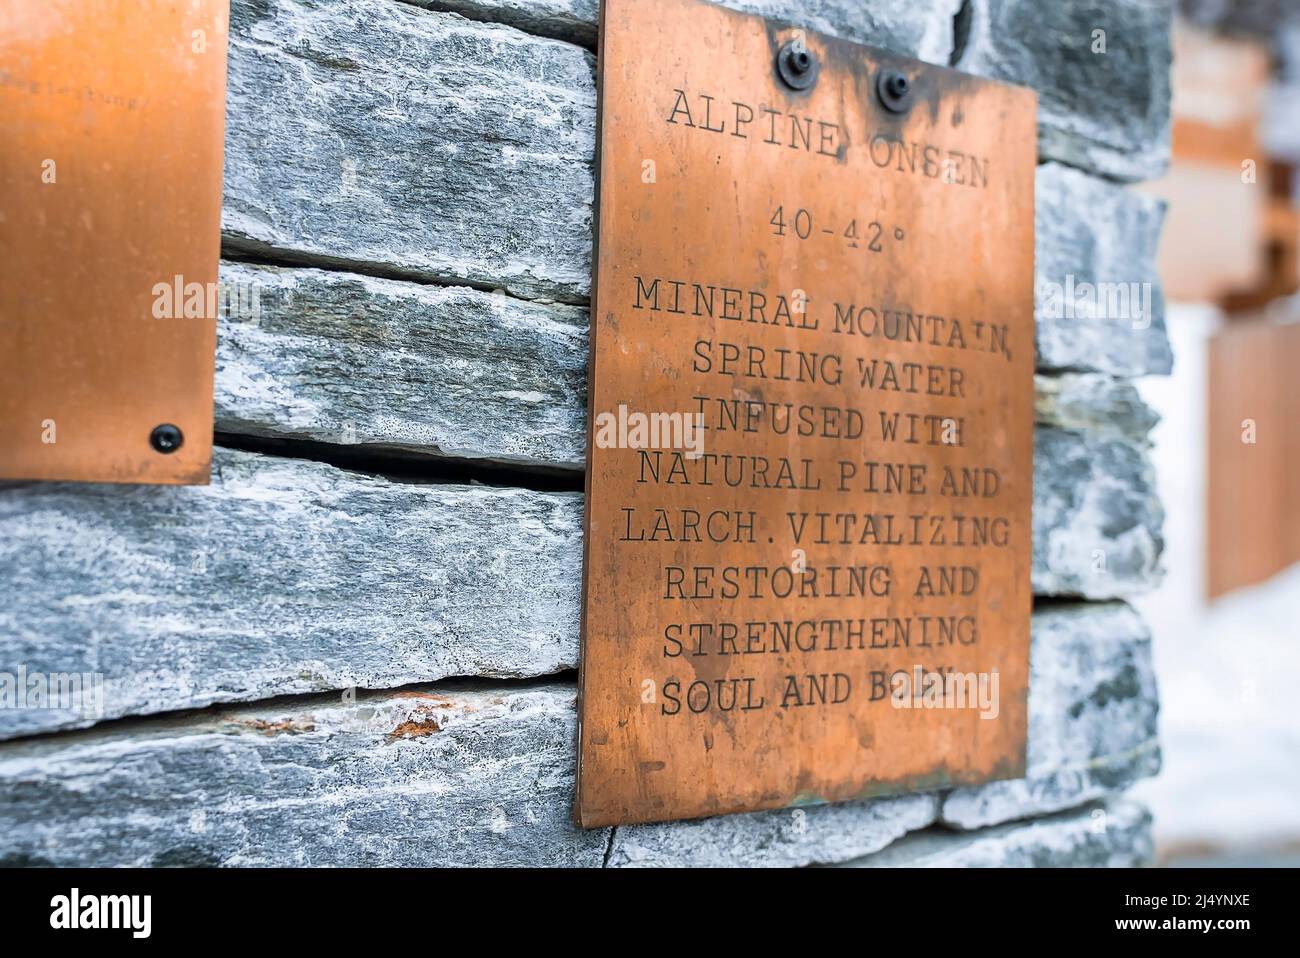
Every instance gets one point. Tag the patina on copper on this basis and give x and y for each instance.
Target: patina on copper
(838, 276)
(110, 206)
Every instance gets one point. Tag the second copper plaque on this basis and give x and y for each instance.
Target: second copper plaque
(111, 126)
(808, 506)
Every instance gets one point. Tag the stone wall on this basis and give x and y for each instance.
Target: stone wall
(359, 644)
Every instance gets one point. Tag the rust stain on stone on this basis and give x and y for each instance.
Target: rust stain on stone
(286, 726)
(417, 726)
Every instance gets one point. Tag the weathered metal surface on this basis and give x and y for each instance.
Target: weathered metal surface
(826, 297)
(110, 208)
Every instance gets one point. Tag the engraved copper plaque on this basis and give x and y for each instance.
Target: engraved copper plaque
(112, 117)
(808, 502)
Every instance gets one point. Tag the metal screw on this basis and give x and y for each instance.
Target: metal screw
(894, 90)
(796, 65)
(166, 438)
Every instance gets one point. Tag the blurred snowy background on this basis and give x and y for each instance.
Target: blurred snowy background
(1229, 789)
(1226, 623)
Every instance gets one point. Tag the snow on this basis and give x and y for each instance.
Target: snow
(1230, 720)
(1230, 728)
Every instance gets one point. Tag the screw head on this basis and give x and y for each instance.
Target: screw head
(166, 438)
(796, 65)
(894, 90)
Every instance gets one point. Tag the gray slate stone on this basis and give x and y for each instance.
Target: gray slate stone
(283, 576)
(290, 576)
(445, 777)
(443, 371)
(457, 774)
(1088, 231)
(352, 141)
(1098, 520)
(465, 373)
(1102, 406)
(1105, 112)
(376, 134)
(572, 20)
(921, 30)
(1114, 835)
(1092, 717)
(780, 838)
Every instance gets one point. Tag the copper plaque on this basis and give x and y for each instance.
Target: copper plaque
(112, 117)
(808, 502)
